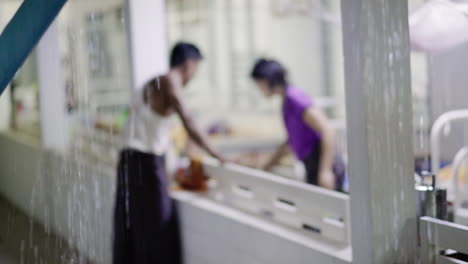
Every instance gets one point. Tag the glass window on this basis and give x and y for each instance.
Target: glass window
(96, 64)
(24, 96)
(232, 34)
(305, 36)
(20, 102)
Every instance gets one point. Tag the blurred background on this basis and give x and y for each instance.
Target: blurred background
(64, 110)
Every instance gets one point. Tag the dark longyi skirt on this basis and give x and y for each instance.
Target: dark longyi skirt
(312, 163)
(146, 229)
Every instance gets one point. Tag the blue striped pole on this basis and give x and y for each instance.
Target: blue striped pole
(22, 34)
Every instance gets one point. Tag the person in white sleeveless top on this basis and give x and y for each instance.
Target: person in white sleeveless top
(145, 219)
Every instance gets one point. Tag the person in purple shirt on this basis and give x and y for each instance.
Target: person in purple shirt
(310, 135)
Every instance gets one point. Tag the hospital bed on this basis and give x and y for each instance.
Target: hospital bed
(455, 176)
(443, 242)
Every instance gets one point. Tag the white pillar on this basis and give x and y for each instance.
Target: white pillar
(52, 91)
(379, 121)
(147, 39)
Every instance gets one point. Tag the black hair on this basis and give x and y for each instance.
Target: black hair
(183, 52)
(271, 71)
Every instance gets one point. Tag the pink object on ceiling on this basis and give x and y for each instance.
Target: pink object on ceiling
(438, 25)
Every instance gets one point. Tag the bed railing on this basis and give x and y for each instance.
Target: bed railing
(460, 158)
(443, 242)
(436, 130)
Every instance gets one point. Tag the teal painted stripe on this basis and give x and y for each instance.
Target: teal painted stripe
(22, 34)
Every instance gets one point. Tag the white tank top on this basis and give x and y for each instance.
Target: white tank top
(146, 130)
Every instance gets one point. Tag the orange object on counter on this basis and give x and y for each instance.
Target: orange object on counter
(193, 178)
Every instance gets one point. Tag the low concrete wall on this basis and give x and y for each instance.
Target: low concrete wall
(69, 196)
(214, 233)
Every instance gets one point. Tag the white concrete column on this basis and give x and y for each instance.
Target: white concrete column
(379, 121)
(52, 91)
(147, 40)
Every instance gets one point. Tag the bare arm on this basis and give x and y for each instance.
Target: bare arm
(193, 131)
(276, 157)
(317, 121)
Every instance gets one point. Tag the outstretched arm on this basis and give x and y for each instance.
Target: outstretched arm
(193, 131)
(276, 157)
(317, 121)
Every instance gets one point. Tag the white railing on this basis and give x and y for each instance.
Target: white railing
(460, 158)
(311, 210)
(442, 242)
(436, 130)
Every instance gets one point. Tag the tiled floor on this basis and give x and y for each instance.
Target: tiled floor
(6, 258)
(16, 230)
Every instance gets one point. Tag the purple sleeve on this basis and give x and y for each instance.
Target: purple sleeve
(298, 102)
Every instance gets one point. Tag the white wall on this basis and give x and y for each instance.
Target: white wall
(51, 91)
(66, 195)
(6, 13)
(294, 40)
(147, 35)
(233, 34)
(216, 234)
